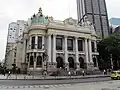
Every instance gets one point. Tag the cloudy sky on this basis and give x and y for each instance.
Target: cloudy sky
(12, 10)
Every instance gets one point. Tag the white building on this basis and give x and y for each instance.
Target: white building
(49, 44)
(67, 44)
(15, 31)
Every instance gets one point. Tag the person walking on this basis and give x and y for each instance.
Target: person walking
(9, 74)
(83, 73)
(69, 73)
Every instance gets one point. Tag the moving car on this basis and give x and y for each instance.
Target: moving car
(115, 75)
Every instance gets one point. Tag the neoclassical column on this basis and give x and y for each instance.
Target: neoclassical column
(86, 51)
(66, 51)
(43, 42)
(76, 48)
(54, 48)
(76, 52)
(49, 48)
(66, 54)
(90, 51)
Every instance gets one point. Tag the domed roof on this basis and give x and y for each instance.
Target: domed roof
(39, 17)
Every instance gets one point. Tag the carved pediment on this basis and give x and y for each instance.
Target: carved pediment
(70, 21)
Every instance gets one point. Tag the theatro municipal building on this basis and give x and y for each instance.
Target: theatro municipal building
(49, 44)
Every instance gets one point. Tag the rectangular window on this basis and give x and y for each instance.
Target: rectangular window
(14, 60)
(93, 46)
(80, 45)
(33, 43)
(15, 54)
(58, 43)
(70, 44)
(39, 42)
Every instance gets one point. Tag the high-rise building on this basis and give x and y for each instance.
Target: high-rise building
(97, 13)
(15, 31)
(114, 24)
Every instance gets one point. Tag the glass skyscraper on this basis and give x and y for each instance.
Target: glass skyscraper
(97, 13)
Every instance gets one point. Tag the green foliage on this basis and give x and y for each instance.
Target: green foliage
(110, 45)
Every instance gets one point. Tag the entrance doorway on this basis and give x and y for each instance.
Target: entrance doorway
(71, 62)
(81, 60)
(60, 62)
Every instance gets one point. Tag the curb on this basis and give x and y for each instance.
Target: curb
(60, 78)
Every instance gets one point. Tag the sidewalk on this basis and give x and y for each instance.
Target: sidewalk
(26, 77)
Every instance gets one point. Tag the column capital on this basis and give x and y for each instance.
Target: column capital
(76, 37)
(65, 36)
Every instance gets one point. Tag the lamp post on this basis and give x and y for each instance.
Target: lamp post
(111, 61)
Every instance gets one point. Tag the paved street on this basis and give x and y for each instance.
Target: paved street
(48, 77)
(52, 82)
(106, 85)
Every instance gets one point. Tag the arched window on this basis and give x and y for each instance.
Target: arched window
(71, 62)
(81, 60)
(31, 61)
(60, 62)
(39, 61)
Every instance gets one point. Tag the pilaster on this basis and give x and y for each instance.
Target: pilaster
(49, 48)
(54, 48)
(86, 51)
(76, 53)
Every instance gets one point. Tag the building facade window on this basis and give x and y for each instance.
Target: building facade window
(80, 45)
(14, 60)
(33, 43)
(39, 42)
(39, 61)
(93, 46)
(15, 54)
(59, 43)
(70, 44)
(31, 61)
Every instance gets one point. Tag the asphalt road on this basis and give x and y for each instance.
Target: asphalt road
(52, 82)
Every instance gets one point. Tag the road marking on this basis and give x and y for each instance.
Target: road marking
(35, 86)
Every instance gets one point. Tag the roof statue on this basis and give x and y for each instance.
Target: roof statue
(40, 12)
(70, 21)
(86, 21)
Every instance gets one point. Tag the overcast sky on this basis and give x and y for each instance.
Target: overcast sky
(12, 10)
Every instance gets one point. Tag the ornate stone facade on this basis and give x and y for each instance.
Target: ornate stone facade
(59, 44)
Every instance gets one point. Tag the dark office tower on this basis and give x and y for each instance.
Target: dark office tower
(97, 13)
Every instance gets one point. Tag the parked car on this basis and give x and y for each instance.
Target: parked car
(115, 75)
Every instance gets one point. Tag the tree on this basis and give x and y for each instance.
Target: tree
(110, 46)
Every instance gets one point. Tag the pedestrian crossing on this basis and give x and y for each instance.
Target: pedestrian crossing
(6, 87)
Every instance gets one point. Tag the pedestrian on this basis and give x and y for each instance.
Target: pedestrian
(83, 73)
(9, 74)
(69, 73)
(75, 73)
(104, 71)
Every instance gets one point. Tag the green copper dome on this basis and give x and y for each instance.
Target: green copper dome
(42, 19)
(39, 18)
